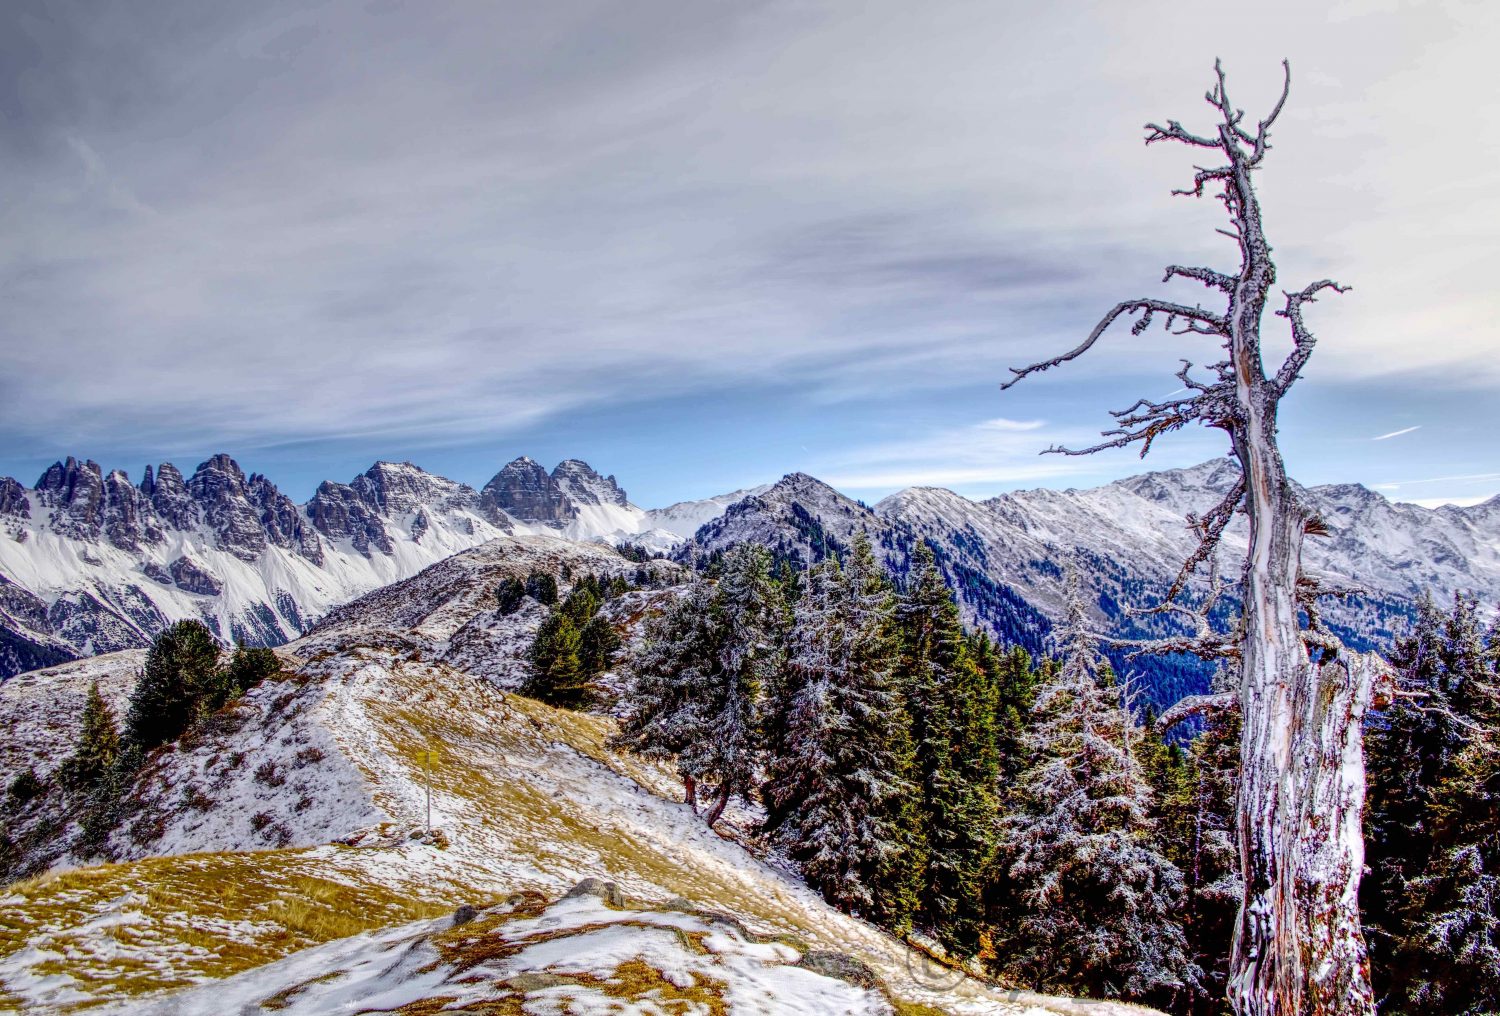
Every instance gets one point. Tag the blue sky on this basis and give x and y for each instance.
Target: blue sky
(701, 245)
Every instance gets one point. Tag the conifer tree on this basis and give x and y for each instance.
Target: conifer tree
(1098, 898)
(748, 630)
(1196, 826)
(98, 744)
(557, 676)
(955, 758)
(837, 788)
(1434, 828)
(598, 644)
(509, 595)
(673, 662)
(181, 673)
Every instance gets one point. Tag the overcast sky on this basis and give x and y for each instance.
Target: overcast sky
(701, 244)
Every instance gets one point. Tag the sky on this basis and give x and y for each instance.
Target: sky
(703, 244)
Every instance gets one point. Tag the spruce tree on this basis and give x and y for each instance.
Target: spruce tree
(556, 676)
(672, 663)
(180, 675)
(748, 630)
(98, 744)
(838, 776)
(1098, 899)
(509, 596)
(1196, 826)
(956, 763)
(1433, 897)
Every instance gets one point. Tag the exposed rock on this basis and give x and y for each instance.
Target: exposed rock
(128, 518)
(169, 496)
(220, 489)
(157, 573)
(338, 512)
(194, 578)
(464, 914)
(608, 892)
(395, 488)
(582, 485)
(280, 520)
(525, 491)
(840, 966)
(13, 500)
(74, 492)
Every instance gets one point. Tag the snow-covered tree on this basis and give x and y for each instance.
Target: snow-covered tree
(1098, 899)
(1303, 695)
(1433, 898)
(699, 676)
(674, 660)
(837, 787)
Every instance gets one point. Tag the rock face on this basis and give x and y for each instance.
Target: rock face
(339, 512)
(13, 500)
(528, 493)
(582, 485)
(189, 575)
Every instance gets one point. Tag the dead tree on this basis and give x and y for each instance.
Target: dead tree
(1298, 947)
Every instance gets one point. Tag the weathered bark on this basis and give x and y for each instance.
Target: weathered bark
(718, 806)
(1298, 949)
(690, 793)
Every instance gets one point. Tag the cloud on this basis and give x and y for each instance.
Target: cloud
(1396, 433)
(253, 225)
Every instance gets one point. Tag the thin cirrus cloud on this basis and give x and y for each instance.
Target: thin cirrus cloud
(405, 226)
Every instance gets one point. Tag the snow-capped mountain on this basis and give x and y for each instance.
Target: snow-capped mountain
(91, 562)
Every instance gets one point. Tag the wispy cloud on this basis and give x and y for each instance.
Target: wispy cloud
(1396, 433)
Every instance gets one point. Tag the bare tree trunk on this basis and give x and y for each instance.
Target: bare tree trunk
(690, 793)
(1298, 949)
(718, 806)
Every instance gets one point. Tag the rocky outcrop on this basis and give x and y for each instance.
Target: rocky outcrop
(220, 489)
(395, 488)
(73, 492)
(192, 577)
(528, 493)
(13, 501)
(170, 498)
(339, 512)
(127, 519)
(582, 485)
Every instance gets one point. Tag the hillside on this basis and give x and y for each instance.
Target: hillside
(297, 817)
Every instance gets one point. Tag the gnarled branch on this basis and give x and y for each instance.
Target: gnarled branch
(1196, 705)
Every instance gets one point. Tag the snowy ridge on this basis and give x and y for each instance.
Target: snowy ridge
(323, 774)
(90, 563)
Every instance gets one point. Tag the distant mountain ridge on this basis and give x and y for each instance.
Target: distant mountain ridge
(91, 563)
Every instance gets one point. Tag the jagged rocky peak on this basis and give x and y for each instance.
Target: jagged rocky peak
(527, 492)
(74, 491)
(13, 500)
(246, 514)
(584, 485)
(169, 496)
(340, 511)
(399, 487)
(579, 481)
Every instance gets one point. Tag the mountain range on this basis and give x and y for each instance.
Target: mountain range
(91, 562)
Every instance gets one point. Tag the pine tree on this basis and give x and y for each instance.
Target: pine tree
(955, 758)
(1099, 900)
(673, 662)
(556, 676)
(598, 644)
(1196, 826)
(542, 587)
(838, 772)
(1434, 821)
(98, 744)
(181, 674)
(509, 596)
(248, 667)
(748, 630)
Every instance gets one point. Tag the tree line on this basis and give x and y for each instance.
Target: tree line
(1019, 811)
